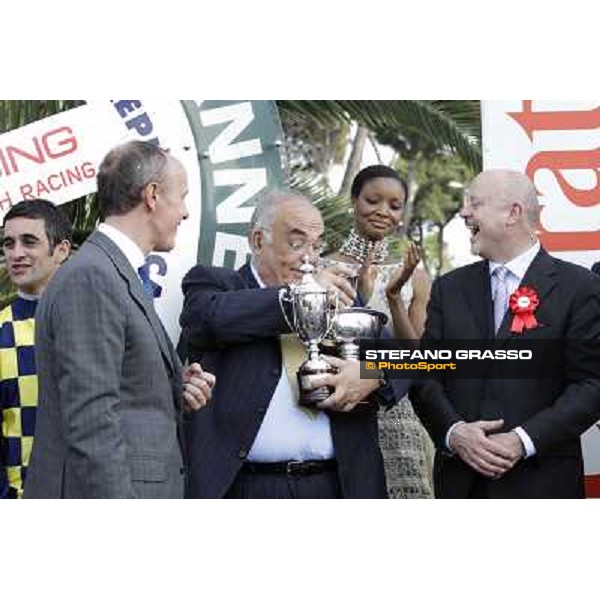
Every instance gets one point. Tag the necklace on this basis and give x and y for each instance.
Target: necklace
(358, 247)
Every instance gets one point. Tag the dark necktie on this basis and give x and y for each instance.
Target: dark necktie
(144, 273)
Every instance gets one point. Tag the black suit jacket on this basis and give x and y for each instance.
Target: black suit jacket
(233, 326)
(596, 268)
(554, 410)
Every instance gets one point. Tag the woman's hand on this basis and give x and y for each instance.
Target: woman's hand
(403, 273)
(367, 275)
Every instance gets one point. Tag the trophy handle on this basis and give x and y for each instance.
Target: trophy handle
(332, 312)
(285, 296)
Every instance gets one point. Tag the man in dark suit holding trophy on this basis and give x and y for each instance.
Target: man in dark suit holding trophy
(255, 440)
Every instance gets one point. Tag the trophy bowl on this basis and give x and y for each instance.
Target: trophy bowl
(311, 309)
(355, 323)
(312, 314)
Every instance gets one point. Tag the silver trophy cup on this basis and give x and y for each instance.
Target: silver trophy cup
(312, 309)
(353, 324)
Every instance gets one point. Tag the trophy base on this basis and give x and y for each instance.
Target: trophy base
(311, 397)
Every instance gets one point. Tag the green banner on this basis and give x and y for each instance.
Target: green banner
(238, 144)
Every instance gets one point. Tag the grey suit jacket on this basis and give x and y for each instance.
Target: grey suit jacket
(109, 385)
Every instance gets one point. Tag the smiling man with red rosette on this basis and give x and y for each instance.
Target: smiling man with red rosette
(512, 438)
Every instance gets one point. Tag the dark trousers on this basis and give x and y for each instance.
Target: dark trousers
(267, 485)
(480, 490)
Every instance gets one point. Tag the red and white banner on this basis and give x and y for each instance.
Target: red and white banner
(557, 143)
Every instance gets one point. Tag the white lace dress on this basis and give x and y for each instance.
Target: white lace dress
(405, 444)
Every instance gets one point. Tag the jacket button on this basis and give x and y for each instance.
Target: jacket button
(242, 454)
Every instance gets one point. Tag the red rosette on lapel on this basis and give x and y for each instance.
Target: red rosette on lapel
(522, 304)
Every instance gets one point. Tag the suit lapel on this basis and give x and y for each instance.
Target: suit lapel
(138, 294)
(541, 277)
(478, 295)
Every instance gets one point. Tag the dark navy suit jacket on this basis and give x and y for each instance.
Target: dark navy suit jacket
(233, 326)
(554, 409)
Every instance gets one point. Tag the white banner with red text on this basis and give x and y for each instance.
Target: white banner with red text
(557, 143)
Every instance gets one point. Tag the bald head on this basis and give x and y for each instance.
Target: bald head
(501, 210)
(510, 186)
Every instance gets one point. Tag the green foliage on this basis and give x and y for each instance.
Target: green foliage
(17, 113)
(408, 143)
(435, 254)
(312, 147)
(441, 180)
(455, 124)
(336, 210)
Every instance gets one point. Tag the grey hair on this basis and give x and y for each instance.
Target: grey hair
(124, 173)
(266, 209)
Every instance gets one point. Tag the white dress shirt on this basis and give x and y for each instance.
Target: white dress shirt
(289, 432)
(133, 253)
(516, 269)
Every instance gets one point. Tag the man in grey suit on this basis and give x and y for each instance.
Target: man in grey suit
(110, 382)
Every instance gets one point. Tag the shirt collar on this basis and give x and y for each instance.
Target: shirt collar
(30, 297)
(256, 275)
(133, 253)
(518, 266)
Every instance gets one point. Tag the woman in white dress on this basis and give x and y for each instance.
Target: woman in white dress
(402, 292)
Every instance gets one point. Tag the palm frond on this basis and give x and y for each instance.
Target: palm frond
(335, 209)
(451, 123)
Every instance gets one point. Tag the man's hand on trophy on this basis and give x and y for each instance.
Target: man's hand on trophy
(336, 278)
(349, 389)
